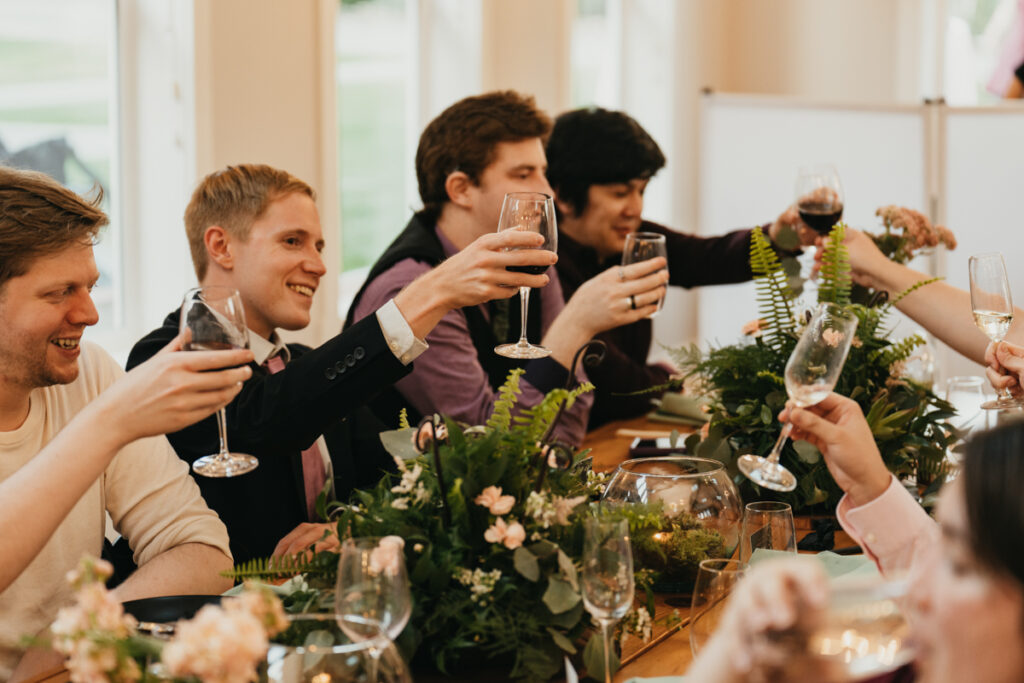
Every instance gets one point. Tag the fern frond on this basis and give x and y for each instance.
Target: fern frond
(501, 418)
(403, 419)
(539, 417)
(773, 292)
(911, 289)
(269, 568)
(771, 377)
(834, 282)
(898, 351)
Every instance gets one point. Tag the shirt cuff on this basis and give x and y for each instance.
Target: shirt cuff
(887, 526)
(399, 336)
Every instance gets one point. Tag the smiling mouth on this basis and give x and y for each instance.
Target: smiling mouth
(66, 344)
(302, 289)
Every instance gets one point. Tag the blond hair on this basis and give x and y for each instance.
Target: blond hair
(40, 217)
(234, 198)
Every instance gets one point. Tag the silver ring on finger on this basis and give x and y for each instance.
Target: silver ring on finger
(632, 302)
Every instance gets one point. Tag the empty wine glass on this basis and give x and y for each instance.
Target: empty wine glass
(214, 320)
(530, 212)
(819, 197)
(643, 246)
(715, 581)
(372, 592)
(607, 577)
(768, 525)
(811, 374)
(992, 305)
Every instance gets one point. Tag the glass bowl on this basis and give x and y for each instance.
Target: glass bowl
(682, 510)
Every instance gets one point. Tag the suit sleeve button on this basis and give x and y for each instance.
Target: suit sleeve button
(330, 373)
(349, 360)
(339, 367)
(359, 353)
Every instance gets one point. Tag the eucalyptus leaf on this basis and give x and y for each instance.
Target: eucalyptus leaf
(398, 442)
(561, 641)
(568, 619)
(568, 569)
(593, 658)
(526, 564)
(807, 452)
(559, 596)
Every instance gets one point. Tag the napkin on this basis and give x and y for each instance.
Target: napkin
(834, 565)
(680, 409)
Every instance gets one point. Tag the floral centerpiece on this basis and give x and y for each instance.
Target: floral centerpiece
(746, 391)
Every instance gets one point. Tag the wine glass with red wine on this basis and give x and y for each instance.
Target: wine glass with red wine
(819, 197)
(533, 212)
(214, 320)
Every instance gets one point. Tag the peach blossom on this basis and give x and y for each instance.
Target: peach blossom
(496, 503)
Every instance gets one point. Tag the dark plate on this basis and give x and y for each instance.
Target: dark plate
(168, 608)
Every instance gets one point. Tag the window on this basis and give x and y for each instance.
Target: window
(57, 103)
(373, 52)
(594, 54)
(977, 38)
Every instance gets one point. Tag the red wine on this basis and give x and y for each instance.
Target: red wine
(820, 216)
(211, 346)
(531, 270)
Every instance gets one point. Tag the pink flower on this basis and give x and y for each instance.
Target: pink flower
(564, 507)
(387, 556)
(496, 503)
(217, 646)
(832, 337)
(514, 536)
(262, 604)
(754, 328)
(496, 532)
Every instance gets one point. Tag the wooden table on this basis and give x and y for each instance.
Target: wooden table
(668, 653)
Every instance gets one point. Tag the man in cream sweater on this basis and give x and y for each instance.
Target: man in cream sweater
(69, 453)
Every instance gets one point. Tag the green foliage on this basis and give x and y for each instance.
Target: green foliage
(283, 567)
(501, 418)
(403, 419)
(774, 295)
(746, 391)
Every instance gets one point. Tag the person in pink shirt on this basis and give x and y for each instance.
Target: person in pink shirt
(966, 601)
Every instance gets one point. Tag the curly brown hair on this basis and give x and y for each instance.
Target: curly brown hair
(463, 138)
(40, 217)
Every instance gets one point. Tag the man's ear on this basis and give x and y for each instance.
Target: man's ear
(457, 186)
(218, 247)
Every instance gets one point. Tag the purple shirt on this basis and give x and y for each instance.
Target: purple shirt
(448, 378)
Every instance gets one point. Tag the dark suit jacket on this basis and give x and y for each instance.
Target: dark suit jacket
(275, 417)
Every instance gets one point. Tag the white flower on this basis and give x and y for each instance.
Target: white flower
(400, 503)
(409, 480)
(540, 508)
(217, 646)
(492, 499)
(564, 506)
(480, 582)
(387, 556)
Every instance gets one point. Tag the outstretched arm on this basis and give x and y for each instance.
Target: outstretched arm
(164, 394)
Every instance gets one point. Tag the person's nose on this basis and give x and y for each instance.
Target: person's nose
(83, 311)
(634, 204)
(314, 264)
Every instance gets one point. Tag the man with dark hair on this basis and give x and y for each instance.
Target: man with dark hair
(256, 228)
(599, 164)
(72, 425)
(468, 158)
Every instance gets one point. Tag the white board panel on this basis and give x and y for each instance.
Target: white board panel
(750, 150)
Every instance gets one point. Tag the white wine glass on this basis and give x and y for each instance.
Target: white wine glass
(992, 306)
(811, 374)
(768, 525)
(819, 197)
(607, 577)
(529, 212)
(643, 246)
(715, 581)
(214, 320)
(372, 592)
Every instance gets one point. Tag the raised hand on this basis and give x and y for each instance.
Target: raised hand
(1005, 365)
(619, 296)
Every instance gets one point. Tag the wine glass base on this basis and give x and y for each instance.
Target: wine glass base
(1003, 403)
(764, 473)
(221, 467)
(521, 351)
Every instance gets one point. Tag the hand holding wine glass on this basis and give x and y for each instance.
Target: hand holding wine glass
(607, 577)
(533, 212)
(643, 246)
(819, 197)
(213, 319)
(811, 374)
(992, 305)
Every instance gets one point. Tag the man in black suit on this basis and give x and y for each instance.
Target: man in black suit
(256, 229)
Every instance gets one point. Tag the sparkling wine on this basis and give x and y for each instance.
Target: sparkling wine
(808, 394)
(820, 216)
(531, 270)
(995, 324)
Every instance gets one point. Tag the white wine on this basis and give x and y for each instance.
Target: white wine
(805, 395)
(995, 324)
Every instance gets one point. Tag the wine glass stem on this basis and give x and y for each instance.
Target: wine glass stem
(606, 637)
(524, 306)
(222, 433)
(373, 666)
(773, 457)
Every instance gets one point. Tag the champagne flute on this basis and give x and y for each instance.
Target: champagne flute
(819, 197)
(533, 212)
(642, 246)
(214, 319)
(993, 310)
(811, 374)
(715, 581)
(769, 525)
(372, 592)
(607, 577)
